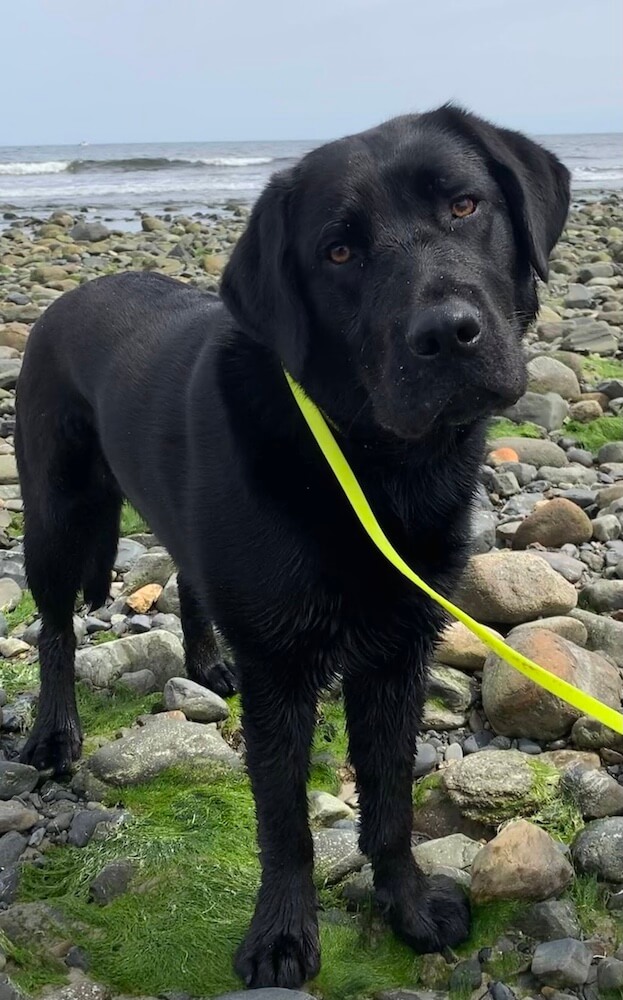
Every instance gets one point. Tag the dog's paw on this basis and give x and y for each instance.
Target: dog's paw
(433, 920)
(285, 957)
(218, 677)
(53, 749)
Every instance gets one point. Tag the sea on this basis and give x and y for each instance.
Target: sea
(117, 182)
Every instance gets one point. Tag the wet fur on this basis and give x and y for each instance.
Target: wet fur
(142, 387)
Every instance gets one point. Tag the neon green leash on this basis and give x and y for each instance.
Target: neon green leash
(345, 476)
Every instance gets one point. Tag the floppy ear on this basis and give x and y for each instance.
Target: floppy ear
(534, 182)
(259, 284)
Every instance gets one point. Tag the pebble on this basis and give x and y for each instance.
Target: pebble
(112, 881)
(16, 779)
(425, 760)
(598, 849)
(16, 816)
(551, 920)
(196, 702)
(562, 963)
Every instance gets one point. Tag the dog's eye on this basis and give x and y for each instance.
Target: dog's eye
(462, 207)
(339, 253)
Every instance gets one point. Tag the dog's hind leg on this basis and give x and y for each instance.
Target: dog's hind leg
(71, 522)
(204, 663)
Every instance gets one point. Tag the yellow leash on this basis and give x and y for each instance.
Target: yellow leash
(345, 476)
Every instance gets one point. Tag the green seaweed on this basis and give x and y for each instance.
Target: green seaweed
(131, 522)
(597, 433)
(503, 428)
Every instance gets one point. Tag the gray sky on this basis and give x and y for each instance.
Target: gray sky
(155, 70)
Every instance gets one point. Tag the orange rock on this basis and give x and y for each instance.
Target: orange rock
(144, 598)
(501, 455)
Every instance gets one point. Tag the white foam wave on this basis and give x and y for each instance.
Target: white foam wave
(232, 161)
(46, 167)
(598, 173)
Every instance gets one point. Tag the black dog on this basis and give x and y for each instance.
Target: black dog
(393, 274)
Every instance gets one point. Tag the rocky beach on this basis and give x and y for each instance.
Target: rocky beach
(137, 876)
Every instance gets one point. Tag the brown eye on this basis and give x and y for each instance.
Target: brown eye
(340, 254)
(463, 207)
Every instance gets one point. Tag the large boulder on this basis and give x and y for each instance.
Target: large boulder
(146, 752)
(546, 374)
(534, 451)
(554, 523)
(548, 410)
(494, 785)
(515, 706)
(513, 587)
(158, 651)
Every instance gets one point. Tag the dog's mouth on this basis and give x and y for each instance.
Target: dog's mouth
(460, 409)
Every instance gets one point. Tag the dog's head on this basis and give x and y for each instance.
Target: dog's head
(393, 272)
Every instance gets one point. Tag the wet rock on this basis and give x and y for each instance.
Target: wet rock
(112, 881)
(548, 410)
(604, 634)
(535, 451)
(14, 815)
(336, 854)
(595, 793)
(196, 702)
(555, 523)
(522, 862)
(327, 809)
(562, 963)
(16, 779)
(603, 596)
(515, 706)
(158, 651)
(490, 787)
(546, 374)
(513, 587)
(85, 822)
(551, 920)
(143, 753)
(598, 849)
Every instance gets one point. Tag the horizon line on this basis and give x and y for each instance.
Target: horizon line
(181, 142)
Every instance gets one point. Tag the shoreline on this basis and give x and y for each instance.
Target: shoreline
(128, 218)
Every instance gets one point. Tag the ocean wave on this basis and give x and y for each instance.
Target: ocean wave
(21, 169)
(137, 163)
(597, 173)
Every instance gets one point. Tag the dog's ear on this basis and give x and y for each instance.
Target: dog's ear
(259, 285)
(534, 182)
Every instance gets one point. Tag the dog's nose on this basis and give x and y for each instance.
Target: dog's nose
(442, 330)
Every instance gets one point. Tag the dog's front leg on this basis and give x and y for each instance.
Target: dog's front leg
(383, 708)
(281, 947)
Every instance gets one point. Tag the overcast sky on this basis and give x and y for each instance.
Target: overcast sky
(156, 70)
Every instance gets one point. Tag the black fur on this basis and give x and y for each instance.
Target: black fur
(139, 386)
